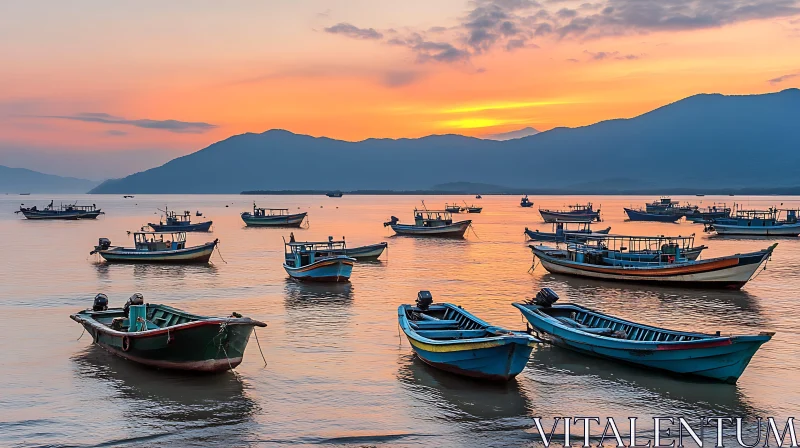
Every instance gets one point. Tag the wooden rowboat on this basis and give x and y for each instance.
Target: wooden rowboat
(369, 252)
(318, 261)
(641, 215)
(449, 338)
(272, 217)
(164, 337)
(718, 357)
(435, 223)
(156, 247)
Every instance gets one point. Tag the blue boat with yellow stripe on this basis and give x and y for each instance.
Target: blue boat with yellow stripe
(449, 338)
(318, 261)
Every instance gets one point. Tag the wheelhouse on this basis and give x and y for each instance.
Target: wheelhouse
(432, 218)
(299, 254)
(159, 241)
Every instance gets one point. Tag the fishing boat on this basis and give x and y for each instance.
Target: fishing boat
(631, 259)
(317, 261)
(361, 253)
(452, 208)
(757, 223)
(714, 356)
(642, 215)
(334, 194)
(525, 202)
(272, 217)
(711, 212)
(437, 223)
(127, 196)
(156, 247)
(472, 208)
(564, 231)
(174, 222)
(449, 338)
(477, 196)
(574, 213)
(68, 212)
(167, 338)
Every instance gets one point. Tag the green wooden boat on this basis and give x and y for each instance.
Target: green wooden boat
(164, 337)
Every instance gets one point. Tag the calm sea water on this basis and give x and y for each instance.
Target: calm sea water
(338, 373)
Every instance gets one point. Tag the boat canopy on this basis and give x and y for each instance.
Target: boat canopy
(314, 246)
(632, 243)
(433, 215)
(265, 211)
(149, 237)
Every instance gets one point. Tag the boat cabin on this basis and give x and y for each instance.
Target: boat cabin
(630, 251)
(159, 241)
(174, 219)
(261, 212)
(760, 218)
(299, 254)
(432, 218)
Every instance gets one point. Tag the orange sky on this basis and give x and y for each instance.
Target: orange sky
(255, 67)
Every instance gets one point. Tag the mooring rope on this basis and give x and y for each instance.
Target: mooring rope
(473, 231)
(220, 254)
(259, 347)
(79, 337)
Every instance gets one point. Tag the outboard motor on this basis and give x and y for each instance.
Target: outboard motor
(136, 299)
(424, 300)
(100, 302)
(393, 220)
(102, 244)
(546, 297)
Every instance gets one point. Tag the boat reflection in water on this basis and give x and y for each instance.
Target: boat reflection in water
(455, 398)
(628, 387)
(165, 405)
(317, 295)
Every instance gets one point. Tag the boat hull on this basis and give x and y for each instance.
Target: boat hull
(199, 227)
(551, 216)
(43, 215)
(455, 230)
(495, 361)
(295, 220)
(782, 230)
(190, 255)
(731, 272)
(718, 358)
(371, 252)
(203, 346)
(535, 235)
(330, 269)
(635, 215)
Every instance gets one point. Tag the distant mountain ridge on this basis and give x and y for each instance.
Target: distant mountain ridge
(21, 180)
(704, 141)
(519, 133)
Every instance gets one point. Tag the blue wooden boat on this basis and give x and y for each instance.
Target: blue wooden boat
(574, 213)
(756, 223)
(174, 222)
(447, 337)
(318, 261)
(718, 357)
(711, 212)
(272, 217)
(156, 247)
(453, 208)
(563, 233)
(641, 215)
(361, 253)
(63, 212)
(471, 208)
(525, 202)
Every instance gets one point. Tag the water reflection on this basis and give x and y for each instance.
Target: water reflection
(455, 398)
(160, 401)
(306, 295)
(143, 270)
(632, 386)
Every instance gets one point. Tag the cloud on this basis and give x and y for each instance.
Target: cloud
(603, 55)
(514, 24)
(400, 78)
(354, 32)
(780, 79)
(115, 133)
(181, 127)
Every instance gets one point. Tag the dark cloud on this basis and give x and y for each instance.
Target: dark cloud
(513, 44)
(354, 32)
(181, 127)
(603, 55)
(780, 79)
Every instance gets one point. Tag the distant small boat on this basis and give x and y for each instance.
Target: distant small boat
(447, 337)
(24, 194)
(471, 208)
(127, 196)
(64, 212)
(334, 194)
(721, 358)
(312, 261)
(272, 217)
(641, 215)
(156, 247)
(167, 338)
(435, 223)
(711, 212)
(525, 202)
(574, 213)
(562, 232)
(179, 223)
(700, 195)
(477, 196)
(198, 213)
(452, 208)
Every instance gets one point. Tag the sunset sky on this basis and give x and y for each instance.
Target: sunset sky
(101, 89)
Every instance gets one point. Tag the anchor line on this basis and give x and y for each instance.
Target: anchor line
(82, 333)
(220, 254)
(473, 231)
(259, 347)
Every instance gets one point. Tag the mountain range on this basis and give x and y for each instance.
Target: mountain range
(703, 141)
(519, 133)
(21, 180)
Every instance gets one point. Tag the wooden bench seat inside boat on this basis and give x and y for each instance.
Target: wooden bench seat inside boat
(435, 325)
(453, 334)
